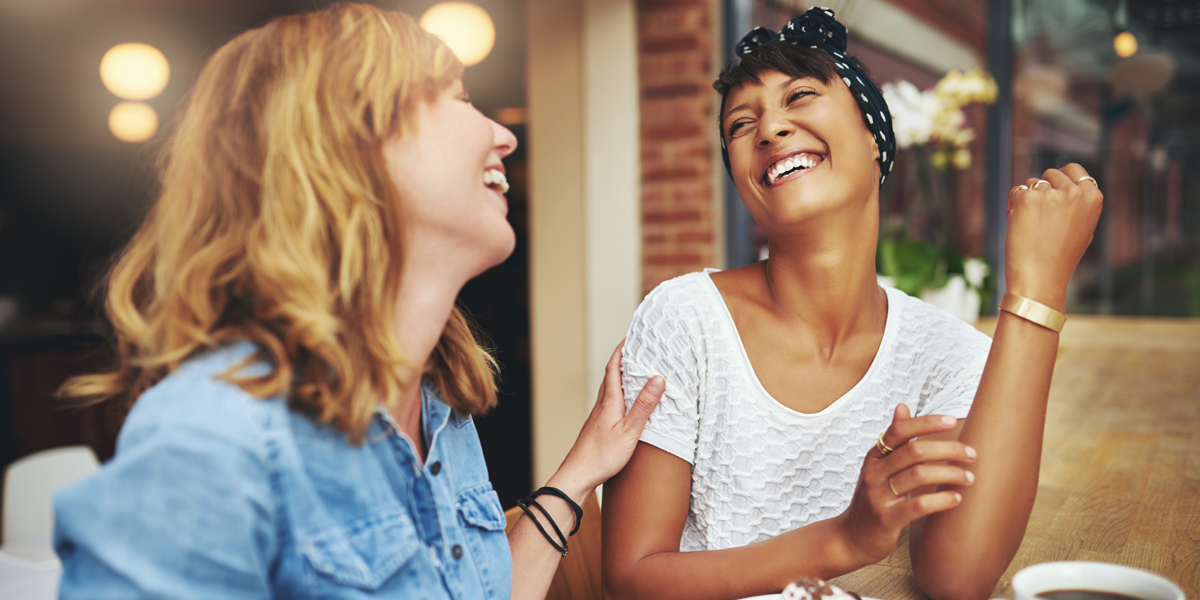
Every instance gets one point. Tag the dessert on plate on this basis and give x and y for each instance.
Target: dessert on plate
(812, 588)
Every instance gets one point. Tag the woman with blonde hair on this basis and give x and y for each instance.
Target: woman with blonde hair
(302, 385)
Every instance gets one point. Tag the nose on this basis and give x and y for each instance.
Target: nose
(772, 127)
(502, 139)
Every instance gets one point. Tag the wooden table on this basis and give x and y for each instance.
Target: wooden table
(1120, 476)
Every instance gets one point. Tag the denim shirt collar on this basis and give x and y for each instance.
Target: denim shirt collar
(435, 415)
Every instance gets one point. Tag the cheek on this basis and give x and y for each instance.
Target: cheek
(857, 146)
(741, 154)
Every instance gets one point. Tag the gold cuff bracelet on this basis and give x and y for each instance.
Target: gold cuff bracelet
(1034, 312)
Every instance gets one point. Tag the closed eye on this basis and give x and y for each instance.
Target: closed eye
(733, 128)
(799, 94)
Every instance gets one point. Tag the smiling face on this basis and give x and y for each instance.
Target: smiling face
(451, 181)
(798, 148)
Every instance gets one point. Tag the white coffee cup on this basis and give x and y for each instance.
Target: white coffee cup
(1093, 576)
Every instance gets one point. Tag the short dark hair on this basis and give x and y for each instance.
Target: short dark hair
(793, 61)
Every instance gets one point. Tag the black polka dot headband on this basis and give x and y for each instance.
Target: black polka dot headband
(818, 29)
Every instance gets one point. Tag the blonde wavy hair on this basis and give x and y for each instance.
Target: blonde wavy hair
(277, 222)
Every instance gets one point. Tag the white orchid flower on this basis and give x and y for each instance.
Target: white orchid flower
(976, 270)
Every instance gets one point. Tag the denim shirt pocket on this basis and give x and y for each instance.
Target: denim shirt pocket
(480, 506)
(480, 511)
(364, 553)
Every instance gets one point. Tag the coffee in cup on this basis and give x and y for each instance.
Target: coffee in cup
(1085, 580)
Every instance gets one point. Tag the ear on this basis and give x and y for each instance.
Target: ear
(875, 157)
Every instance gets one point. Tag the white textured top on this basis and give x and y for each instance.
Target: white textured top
(759, 468)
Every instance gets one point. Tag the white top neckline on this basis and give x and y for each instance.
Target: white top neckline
(889, 331)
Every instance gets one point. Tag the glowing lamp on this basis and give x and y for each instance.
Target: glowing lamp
(134, 71)
(133, 121)
(1125, 44)
(466, 28)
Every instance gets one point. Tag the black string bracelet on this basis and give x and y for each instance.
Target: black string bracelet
(523, 503)
(562, 538)
(557, 492)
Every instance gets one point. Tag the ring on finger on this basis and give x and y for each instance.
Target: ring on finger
(892, 487)
(884, 449)
(1086, 178)
(1022, 187)
(1040, 182)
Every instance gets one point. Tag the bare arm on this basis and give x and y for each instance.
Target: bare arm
(604, 444)
(961, 554)
(646, 506)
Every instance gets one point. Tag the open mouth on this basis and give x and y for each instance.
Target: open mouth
(791, 165)
(495, 179)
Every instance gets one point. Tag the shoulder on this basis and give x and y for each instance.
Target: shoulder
(192, 459)
(672, 332)
(183, 430)
(685, 290)
(195, 401)
(931, 330)
(679, 307)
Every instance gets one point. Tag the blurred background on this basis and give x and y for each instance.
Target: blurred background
(618, 183)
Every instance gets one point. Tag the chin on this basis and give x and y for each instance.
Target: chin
(501, 247)
(814, 203)
(786, 216)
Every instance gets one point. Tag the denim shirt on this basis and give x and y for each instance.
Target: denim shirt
(216, 494)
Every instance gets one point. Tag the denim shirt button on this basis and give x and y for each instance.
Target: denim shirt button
(436, 468)
(456, 551)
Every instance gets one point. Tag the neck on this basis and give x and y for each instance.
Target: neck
(824, 276)
(427, 292)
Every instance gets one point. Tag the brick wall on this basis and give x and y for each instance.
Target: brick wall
(676, 39)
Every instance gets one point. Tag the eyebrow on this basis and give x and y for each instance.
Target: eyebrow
(747, 105)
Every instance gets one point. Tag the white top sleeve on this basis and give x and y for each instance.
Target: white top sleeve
(660, 342)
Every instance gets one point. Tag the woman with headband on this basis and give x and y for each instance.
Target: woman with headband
(811, 415)
(302, 385)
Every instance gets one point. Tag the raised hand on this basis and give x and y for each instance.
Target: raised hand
(609, 435)
(897, 488)
(1050, 224)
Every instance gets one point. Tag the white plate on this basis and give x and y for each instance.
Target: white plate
(778, 596)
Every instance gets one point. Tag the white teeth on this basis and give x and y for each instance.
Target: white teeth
(806, 161)
(495, 179)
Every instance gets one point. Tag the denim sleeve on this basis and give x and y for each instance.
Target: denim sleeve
(185, 510)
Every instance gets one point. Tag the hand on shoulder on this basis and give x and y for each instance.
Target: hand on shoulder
(609, 435)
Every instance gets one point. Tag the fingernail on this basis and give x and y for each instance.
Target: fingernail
(970, 452)
(657, 383)
(957, 497)
(970, 477)
(948, 420)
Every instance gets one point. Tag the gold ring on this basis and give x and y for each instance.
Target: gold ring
(1086, 178)
(892, 487)
(1040, 182)
(883, 448)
